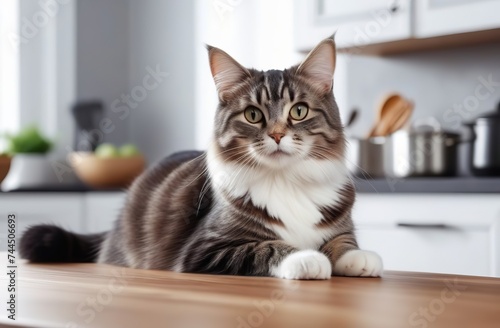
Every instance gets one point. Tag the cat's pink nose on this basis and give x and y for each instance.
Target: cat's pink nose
(277, 137)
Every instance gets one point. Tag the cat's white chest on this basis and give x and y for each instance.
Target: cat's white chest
(297, 207)
(295, 196)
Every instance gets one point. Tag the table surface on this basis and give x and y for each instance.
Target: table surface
(91, 295)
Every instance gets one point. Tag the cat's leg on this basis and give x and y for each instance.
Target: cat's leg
(266, 258)
(348, 260)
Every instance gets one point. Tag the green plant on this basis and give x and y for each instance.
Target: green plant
(29, 140)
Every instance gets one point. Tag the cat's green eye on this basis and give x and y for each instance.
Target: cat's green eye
(299, 111)
(253, 115)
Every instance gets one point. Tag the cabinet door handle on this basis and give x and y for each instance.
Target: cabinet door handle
(424, 225)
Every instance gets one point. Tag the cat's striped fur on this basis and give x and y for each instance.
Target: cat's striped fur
(270, 197)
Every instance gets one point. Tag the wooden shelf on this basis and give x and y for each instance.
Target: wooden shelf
(425, 44)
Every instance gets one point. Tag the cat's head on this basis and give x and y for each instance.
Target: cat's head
(275, 118)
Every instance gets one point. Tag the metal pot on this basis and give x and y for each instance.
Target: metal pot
(425, 151)
(485, 152)
(372, 156)
(367, 157)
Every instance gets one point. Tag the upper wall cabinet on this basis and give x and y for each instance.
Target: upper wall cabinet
(444, 17)
(356, 22)
(381, 27)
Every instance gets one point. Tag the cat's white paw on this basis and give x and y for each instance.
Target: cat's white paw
(358, 263)
(307, 264)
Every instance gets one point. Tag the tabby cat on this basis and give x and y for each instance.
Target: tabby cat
(270, 197)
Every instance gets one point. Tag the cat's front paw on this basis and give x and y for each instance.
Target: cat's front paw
(358, 263)
(307, 264)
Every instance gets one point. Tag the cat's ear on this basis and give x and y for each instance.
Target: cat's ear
(319, 65)
(226, 71)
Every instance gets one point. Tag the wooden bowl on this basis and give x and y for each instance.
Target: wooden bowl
(106, 173)
(4, 166)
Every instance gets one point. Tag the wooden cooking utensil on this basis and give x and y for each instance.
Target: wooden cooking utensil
(396, 121)
(402, 120)
(386, 103)
(390, 112)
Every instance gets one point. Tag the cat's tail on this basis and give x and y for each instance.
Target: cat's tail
(49, 243)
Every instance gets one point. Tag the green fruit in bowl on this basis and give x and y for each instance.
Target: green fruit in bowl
(106, 150)
(129, 150)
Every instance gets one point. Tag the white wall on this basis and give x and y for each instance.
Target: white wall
(162, 35)
(119, 43)
(102, 46)
(9, 68)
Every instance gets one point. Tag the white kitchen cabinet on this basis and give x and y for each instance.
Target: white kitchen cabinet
(444, 17)
(456, 234)
(63, 209)
(378, 27)
(85, 212)
(356, 22)
(102, 209)
(453, 250)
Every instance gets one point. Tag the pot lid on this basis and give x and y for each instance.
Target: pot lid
(430, 127)
(442, 133)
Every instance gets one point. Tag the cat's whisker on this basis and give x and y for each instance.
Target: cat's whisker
(348, 175)
(318, 150)
(244, 165)
(366, 175)
(202, 194)
(206, 167)
(327, 176)
(322, 148)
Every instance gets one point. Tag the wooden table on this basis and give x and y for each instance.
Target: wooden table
(89, 295)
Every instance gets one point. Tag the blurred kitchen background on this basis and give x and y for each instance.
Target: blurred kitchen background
(94, 91)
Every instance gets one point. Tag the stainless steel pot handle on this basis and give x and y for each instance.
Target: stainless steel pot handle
(431, 122)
